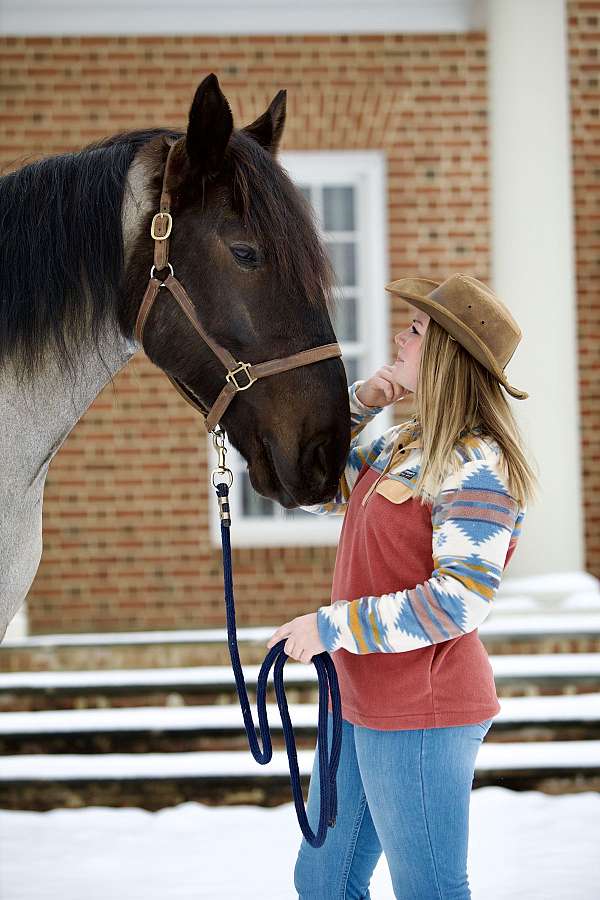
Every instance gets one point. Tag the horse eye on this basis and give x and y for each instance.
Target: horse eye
(244, 254)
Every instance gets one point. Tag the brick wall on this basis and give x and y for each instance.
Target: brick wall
(125, 513)
(584, 73)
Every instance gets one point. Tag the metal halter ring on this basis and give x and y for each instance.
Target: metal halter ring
(153, 269)
(226, 475)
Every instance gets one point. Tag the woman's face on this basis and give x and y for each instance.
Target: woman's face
(408, 342)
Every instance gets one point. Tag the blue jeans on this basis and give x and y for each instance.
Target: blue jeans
(403, 793)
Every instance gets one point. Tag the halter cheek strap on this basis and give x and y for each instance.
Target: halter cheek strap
(239, 375)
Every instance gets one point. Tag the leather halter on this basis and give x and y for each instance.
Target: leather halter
(160, 231)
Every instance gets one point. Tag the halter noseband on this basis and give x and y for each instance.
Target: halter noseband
(160, 231)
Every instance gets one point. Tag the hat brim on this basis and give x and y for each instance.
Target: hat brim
(399, 287)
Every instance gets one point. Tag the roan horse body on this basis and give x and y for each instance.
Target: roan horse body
(76, 255)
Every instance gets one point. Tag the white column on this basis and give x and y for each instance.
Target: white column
(533, 264)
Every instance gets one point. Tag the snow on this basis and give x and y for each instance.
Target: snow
(208, 764)
(192, 675)
(522, 846)
(542, 624)
(562, 708)
(537, 664)
(581, 615)
(514, 665)
(191, 636)
(564, 583)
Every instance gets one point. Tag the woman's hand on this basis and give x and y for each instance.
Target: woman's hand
(381, 389)
(303, 641)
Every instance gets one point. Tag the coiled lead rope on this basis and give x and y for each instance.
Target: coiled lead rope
(328, 764)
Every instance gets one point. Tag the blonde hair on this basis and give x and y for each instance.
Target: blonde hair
(454, 395)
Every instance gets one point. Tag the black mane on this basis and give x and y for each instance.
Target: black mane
(60, 229)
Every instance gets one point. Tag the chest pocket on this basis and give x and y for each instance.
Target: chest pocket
(395, 490)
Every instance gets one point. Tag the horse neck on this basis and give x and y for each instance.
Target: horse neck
(38, 415)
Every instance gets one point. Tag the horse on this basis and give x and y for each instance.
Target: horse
(75, 257)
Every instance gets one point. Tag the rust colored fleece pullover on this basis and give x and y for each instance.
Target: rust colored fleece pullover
(412, 582)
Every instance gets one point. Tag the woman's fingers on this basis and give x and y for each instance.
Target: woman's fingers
(386, 382)
(382, 388)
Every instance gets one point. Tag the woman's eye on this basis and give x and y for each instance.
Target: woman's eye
(244, 254)
(413, 329)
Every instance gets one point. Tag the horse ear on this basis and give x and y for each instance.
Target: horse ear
(268, 128)
(209, 127)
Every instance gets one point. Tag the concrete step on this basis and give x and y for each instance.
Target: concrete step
(572, 632)
(515, 675)
(214, 728)
(154, 781)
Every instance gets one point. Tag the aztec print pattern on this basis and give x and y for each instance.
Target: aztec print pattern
(476, 524)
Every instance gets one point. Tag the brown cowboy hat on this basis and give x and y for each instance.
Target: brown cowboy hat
(472, 315)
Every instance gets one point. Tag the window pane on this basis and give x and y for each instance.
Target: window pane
(338, 208)
(351, 366)
(343, 258)
(252, 503)
(304, 190)
(345, 319)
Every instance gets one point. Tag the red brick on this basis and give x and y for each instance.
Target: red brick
(110, 499)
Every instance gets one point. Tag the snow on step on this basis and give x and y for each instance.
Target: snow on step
(491, 757)
(514, 710)
(515, 665)
(562, 665)
(542, 623)
(189, 636)
(192, 675)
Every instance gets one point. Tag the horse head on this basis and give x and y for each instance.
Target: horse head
(246, 248)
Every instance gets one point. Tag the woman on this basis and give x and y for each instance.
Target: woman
(433, 511)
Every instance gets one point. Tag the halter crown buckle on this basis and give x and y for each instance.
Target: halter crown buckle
(242, 367)
(155, 225)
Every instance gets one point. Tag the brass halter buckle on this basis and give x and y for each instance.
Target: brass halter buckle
(155, 224)
(242, 367)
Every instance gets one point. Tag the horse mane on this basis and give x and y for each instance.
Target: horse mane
(60, 235)
(61, 241)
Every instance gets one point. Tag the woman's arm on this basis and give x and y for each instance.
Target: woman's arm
(473, 518)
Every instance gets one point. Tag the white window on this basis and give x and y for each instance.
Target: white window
(348, 193)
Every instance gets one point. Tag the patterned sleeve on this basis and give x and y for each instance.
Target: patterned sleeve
(473, 519)
(360, 416)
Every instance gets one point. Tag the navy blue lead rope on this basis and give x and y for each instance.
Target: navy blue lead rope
(327, 677)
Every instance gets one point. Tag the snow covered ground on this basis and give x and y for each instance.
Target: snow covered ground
(522, 846)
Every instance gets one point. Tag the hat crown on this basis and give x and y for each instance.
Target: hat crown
(482, 312)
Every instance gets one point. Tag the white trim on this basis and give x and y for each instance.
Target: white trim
(18, 627)
(136, 17)
(366, 170)
(532, 223)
